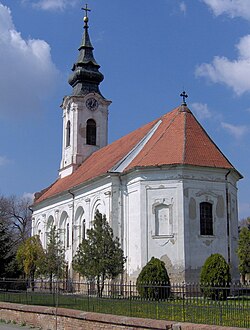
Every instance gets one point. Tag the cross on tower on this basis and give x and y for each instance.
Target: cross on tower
(86, 9)
(184, 96)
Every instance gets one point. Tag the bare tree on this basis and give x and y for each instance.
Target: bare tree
(245, 222)
(15, 228)
(16, 214)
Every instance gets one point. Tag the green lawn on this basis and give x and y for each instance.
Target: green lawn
(227, 313)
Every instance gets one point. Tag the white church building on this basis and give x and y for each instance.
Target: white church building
(166, 188)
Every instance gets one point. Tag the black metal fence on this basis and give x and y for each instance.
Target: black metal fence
(228, 306)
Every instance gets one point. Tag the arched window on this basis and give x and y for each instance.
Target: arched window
(91, 132)
(49, 226)
(79, 227)
(98, 206)
(50, 223)
(63, 228)
(206, 218)
(68, 134)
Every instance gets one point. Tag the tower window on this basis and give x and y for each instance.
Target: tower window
(206, 218)
(91, 132)
(68, 134)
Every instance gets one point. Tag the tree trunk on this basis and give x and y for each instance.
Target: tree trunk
(243, 277)
(32, 280)
(102, 284)
(98, 287)
(50, 282)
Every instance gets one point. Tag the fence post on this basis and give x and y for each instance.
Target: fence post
(56, 300)
(183, 303)
(26, 295)
(130, 297)
(220, 309)
(88, 285)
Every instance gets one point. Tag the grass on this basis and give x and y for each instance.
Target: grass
(226, 313)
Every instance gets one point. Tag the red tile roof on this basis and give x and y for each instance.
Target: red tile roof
(178, 140)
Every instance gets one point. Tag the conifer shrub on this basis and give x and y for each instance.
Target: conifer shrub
(215, 277)
(153, 281)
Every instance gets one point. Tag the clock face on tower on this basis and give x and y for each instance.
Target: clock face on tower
(92, 103)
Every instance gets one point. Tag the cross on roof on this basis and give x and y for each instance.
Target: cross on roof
(86, 9)
(184, 96)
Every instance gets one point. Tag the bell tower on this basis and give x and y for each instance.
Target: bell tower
(85, 111)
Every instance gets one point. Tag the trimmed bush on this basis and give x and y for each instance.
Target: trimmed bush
(153, 281)
(215, 277)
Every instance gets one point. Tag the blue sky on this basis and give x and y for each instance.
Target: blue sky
(148, 51)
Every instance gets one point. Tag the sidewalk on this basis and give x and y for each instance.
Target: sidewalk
(10, 326)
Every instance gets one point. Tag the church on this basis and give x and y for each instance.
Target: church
(166, 188)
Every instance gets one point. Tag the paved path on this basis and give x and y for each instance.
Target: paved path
(10, 326)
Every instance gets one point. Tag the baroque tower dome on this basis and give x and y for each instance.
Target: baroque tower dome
(86, 76)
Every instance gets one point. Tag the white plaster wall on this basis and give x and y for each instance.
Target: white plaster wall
(146, 188)
(133, 229)
(129, 201)
(75, 111)
(96, 196)
(233, 224)
(168, 245)
(184, 251)
(204, 185)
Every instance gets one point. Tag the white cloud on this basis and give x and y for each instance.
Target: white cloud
(28, 196)
(201, 110)
(4, 160)
(52, 4)
(236, 131)
(234, 74)
(27, 71)
(183, 7)
(232, 8)
(5, 19)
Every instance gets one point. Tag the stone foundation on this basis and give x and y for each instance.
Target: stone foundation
(50, 318)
